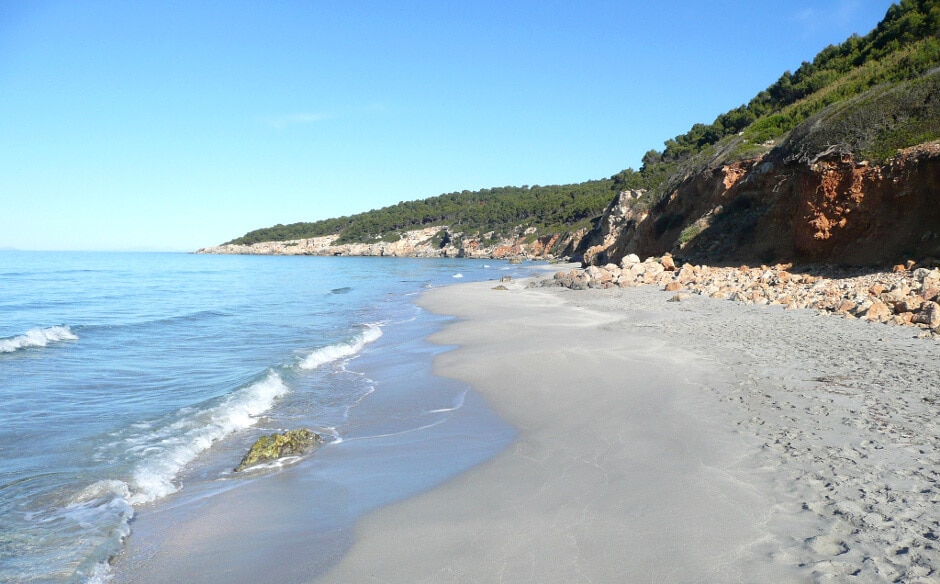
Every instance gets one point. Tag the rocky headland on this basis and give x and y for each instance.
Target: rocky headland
(431, 242)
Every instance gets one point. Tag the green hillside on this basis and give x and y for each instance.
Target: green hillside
(902, 47)
(877, 85)
(499, 210)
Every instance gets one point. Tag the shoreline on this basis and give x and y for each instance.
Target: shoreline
(654, 441)
(691, 441)
(292, 523)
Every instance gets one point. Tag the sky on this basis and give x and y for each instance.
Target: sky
(174, 125)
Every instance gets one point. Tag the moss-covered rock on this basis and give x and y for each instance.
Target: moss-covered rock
(290, 443)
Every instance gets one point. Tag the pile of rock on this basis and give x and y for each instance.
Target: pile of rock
(904, 296)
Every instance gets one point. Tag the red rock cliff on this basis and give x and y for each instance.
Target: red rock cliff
(832, 210)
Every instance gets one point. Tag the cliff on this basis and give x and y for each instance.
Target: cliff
(832, 209)
(430, 242)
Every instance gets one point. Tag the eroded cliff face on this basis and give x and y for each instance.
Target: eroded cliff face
(419, 243)
(765, 210)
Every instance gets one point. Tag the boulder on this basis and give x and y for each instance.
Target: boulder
(878, 311)
(275, 446)
(653, 270)
(668, 264)
(673, 287)
(629, 260)
(929, 315)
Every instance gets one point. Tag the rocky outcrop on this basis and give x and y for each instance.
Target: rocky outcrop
(619, 220)
(829, 209)
(430, 242)
(275, 446)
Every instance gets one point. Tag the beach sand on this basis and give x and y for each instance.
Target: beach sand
(656, 441)
(694, 441)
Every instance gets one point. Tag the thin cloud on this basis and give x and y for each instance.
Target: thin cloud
(839, 14)
(281, 122)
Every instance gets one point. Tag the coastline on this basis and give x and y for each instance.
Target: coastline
(292, 523)
(692, 441)
(655, 441)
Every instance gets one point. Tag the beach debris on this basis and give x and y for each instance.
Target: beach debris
(500, 287)
(275, 446)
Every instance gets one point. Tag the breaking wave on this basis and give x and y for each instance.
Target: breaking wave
(37, 337)
(331, 353)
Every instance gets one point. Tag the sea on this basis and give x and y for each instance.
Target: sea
(130, 379)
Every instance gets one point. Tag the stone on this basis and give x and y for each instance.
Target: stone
(930, 290)
(909, 304)
(678, 298)
(654, 269)
(667, 263)
(844, 306)
(629, 260)
(500, 287)
(275, 446)
(929, 315)
(686, 273)
(920, 274)
(878, 311)
(673, 287)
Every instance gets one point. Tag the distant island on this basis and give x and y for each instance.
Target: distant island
(835, 162)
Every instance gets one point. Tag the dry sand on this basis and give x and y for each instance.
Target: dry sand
(699, 441)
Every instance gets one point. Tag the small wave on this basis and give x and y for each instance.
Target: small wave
(165, 450)
(343, 290)
(37, 337)
(458, 403)
(331, 353)
(457, 275)
(399, 433)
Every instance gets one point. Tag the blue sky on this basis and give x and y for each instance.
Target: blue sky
(176, 125)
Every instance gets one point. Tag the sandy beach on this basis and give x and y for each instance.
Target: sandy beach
(654, 441)
(694, 441)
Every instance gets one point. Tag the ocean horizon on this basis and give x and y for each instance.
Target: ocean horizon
(129, 380)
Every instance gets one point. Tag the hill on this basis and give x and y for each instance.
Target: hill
(862, 100)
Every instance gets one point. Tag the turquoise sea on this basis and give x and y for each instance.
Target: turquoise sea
(130, 379)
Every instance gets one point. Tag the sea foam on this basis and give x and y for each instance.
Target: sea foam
(37, 337)
(165, 450)
(331, 353)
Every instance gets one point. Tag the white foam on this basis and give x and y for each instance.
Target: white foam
(101, 574)
(457, 275)
(331, 353)
(458, 403)
(37, 337)
(167, 450)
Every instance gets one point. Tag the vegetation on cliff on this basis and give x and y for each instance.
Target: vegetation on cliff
(495, 212)
(869, 96)
(902, 47)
